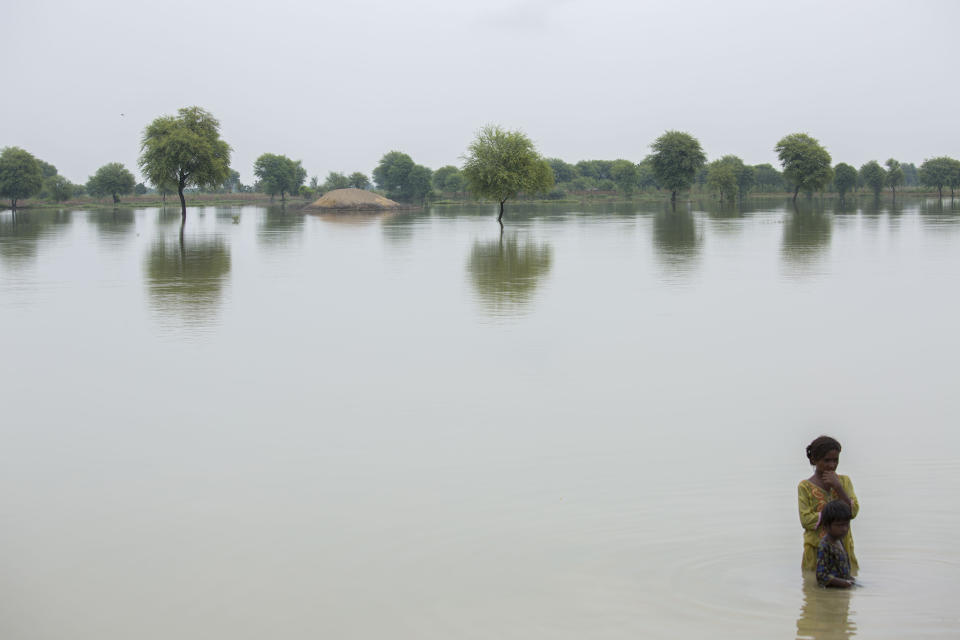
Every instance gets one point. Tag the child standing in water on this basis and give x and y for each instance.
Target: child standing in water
(833, 565)
(816, 491)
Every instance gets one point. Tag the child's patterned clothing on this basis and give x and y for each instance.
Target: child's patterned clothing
(832, 562)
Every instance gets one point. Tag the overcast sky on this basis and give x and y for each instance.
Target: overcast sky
(338, 84)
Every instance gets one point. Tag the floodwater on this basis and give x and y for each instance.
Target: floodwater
(590, 425)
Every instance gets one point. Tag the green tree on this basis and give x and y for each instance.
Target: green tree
(806, 164)
(746, 178)
(59, 188)
(232, 184)
(676, 158)
(442, 175)
(894, 175)
(185, 150)
(646, 178)
(111, 179)
(722, 178)
(419, 184)
(937, 172)
(625, 175)
(767, 177)
(335, 180)
(596, 169)
(47, 169)
(401, 178)
(500, 164)
(20, 175)
(279, 174)
(874, 176)
(910, 177)
(845, 178)
(140, 189)
(391, 173)
(359, 180)
(562, 171)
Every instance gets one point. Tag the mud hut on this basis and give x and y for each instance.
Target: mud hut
(346, 200)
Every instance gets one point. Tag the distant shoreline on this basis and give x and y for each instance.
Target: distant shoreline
(241, 199)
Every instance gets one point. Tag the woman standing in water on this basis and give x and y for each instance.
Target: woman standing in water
(819, 489)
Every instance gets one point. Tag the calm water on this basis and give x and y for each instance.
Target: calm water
(589, 426)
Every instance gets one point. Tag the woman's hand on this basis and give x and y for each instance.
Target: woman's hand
(831, 479)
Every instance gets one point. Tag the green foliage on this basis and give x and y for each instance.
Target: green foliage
(722, 176)
(140, 189)
(419, 183)
(401, 178)
(500, 164)
(730, 177)
(596, 169)
(448, 179)
(111, 179)
(232, 184)
(873, 176)
(184, 150)
(59, 188)
(20, 175)
(894, 174)
(279, 174)
(676, 158)
(910, 174)
(940, 171)
(624, 174)
(646, 178)
(767, 178)
(359, 180)
(845, 178)
(47, 169)
(562, 171)
(806, 164)
(335, 180)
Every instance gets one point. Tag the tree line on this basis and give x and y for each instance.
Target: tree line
(185, 153)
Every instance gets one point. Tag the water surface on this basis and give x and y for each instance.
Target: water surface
(590, 424)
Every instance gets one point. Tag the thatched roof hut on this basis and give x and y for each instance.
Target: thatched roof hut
(353, 200)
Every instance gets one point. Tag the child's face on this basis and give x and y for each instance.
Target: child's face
(838, 529)
(828, 462)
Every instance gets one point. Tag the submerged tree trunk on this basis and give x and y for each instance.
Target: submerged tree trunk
(796, 192)
(500, 217)
(183, 206)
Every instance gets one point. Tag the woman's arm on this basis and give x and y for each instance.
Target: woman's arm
(835, 482)
(808, 507)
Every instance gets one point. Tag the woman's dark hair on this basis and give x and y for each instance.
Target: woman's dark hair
(819, 448)
(835, 511)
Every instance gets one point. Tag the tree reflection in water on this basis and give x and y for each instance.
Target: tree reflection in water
(676, 240)
(806, 235)
(185, 278)
(113, 226)
(22, 232)
(279, 226)
(506, 272)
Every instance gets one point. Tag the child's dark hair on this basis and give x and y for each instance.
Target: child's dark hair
(819, 448)
(835, 511)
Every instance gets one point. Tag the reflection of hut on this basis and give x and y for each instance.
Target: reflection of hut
(353, 200)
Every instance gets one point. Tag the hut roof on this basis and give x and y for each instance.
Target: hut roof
(353, 199)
